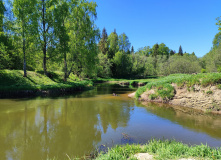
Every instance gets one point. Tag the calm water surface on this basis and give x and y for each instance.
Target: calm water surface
(76, 125)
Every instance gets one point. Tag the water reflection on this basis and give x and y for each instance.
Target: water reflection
(41, 128)
(77, 124)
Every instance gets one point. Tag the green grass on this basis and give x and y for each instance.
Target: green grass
(13, 80)
(162, 149)
(166, 91)
(130, 81)
(209, 92)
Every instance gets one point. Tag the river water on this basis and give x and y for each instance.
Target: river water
(78, 124)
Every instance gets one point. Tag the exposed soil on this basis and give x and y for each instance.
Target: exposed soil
(198, 97)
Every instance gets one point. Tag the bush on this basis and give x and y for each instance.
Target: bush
(219, 69)
(203, 70)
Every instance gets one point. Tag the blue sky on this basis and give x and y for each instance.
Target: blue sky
(189, 23)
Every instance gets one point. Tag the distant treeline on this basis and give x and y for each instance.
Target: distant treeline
(61, 35)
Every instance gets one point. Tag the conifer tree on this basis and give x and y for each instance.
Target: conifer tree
(132, 50)
(180, 53)
(103, 44)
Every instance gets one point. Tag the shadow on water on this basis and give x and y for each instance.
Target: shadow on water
(98, 89)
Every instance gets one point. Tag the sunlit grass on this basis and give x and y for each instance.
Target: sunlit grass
(13, 80)
(162, 149)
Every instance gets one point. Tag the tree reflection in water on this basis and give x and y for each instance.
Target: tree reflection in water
(41, 128)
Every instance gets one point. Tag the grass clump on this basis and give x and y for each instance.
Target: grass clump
(153, 96)
(209, 92)
(120, 152)
(166, 91)
(162, 149)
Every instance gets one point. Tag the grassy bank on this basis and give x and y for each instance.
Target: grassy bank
(126, 81)
(166, 149)
(13, 80)
(165, 90)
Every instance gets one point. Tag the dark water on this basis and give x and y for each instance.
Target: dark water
(76, 125)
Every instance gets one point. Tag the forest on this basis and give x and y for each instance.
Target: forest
(61, 35)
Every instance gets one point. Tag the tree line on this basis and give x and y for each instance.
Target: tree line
(48, 35)
(118, 59)
(61, 35)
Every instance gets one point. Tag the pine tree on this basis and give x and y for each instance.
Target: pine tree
(132, 50)
(115, 31)
(103, 45)
(180, 53)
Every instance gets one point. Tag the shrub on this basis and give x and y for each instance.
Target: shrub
(203, 70)
(219, 69)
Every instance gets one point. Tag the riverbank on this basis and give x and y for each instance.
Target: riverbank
(13, 84)
(200, 91)
(161, 149)
(128, 82)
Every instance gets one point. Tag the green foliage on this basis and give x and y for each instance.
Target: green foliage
(163, 50)
(9, 55)
(124, 43)
(146, 51)
(217, 40)
(219, 69)
(139, 91)
(4, 57)
(219, 86)
(179, 64)
(153, 96)
(62, 36)
(122, 64)
(162, 149)
(104, 66)
(2, 10)
(103, 44)
(203, 70)
(113, 45)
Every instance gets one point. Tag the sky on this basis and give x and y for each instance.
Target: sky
(189, 23)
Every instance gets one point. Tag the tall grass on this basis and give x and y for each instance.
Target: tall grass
(162, 149)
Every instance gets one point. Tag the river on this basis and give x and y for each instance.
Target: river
(78, 124)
